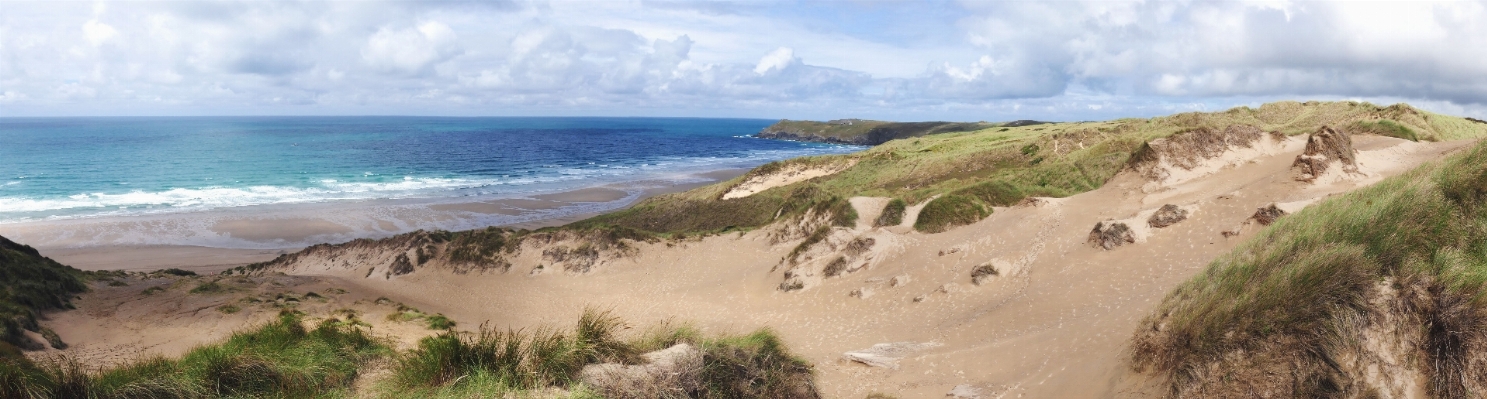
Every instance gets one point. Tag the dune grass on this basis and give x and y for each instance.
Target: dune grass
(1295, 297)
(490, 362)
(950, 210)
(210, 287)
(865, 132)
(284, 359)
(1384, 128)
(893, 213)
(512, 360)
(30, 284)
(281, 359)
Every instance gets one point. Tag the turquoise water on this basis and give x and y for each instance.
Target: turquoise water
(64, 168)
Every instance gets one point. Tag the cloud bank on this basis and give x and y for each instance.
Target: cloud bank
(884, 59)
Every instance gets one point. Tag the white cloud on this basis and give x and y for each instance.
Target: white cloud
(411, 50)
(776, 61)
(98, 32)
(972, 60)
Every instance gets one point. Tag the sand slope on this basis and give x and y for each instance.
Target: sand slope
(1052, 322)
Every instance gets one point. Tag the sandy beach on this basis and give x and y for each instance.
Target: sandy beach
(212, 241)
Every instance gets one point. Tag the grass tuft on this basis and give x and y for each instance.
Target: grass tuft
(211, 287)
(948, 211)
(176, 272)
(1385, 127)
(439, 322)
(756, 365)
(491, 362)
(816, 237)
(893, 213)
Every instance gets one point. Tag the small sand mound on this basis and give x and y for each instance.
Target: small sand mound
(1267, 215)
(1322, 148)
(784, 176)
(1109, 235)
(1169, 215)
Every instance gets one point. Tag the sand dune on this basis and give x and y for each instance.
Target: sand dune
(1052, 321)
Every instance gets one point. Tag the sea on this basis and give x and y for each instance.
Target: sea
(78, 168)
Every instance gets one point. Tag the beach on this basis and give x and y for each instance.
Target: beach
(218, 239)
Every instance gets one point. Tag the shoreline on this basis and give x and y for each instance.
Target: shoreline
(216, 240)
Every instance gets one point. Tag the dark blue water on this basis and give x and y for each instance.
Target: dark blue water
(77, 167)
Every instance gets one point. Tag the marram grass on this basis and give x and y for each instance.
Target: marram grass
(1296, 295)
(283, 359)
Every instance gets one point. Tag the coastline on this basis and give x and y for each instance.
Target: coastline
(216, 240)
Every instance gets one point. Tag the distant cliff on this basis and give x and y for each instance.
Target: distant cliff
(867, 132)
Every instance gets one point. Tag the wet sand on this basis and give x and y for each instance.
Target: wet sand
(212, 241)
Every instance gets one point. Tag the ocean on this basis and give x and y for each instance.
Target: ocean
(72, 168)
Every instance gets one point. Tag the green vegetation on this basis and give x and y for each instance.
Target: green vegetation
(862, 132)
(281, 360)
(284, 359)
(229, 309)
(893, 213)
(1297, 297)
(405, 313)
(30, 284)
(814, 238)
(176, 272)
(210, 287)
(1384, 128)
(457, 365)
(950, 210)
(439, 322)
(512, 360)
(756, 365)
(700, 211)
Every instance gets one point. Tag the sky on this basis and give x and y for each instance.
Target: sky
(876, 59)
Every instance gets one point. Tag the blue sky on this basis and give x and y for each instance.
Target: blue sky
(897, 60)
